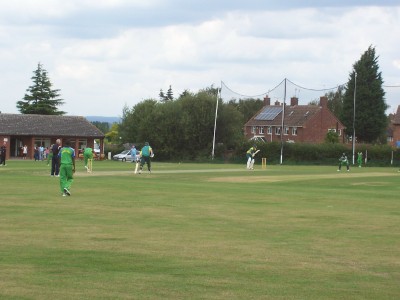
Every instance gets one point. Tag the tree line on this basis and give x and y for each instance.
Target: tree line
(182, 128)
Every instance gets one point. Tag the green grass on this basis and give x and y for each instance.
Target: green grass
(200, 231)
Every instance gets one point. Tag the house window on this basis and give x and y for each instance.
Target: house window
(294, 130)
(277, 130)
(45, 142)
(82, 144)
(261, 129)
(253, 129)
(339, 132)
(269, 130)
(286, 130)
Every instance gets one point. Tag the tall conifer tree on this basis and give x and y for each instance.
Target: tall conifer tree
(40, 98)
(370, 119)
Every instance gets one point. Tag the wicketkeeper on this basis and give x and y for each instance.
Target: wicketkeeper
(344, 161)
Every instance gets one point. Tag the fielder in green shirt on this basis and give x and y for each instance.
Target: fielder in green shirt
(359, 158)
(145, 157)
(344, 161)
(67, 168)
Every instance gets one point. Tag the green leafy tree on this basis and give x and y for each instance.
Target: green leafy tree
(332, 137)
(335, 101)
(185, 93)
(229, 126)
(247, 107)
(211, 90)
(40, 97)
(137, 123)
(113, 135)
(197, 121)
(168, 130)
(104, 127)
(370, 106)
(182, 128)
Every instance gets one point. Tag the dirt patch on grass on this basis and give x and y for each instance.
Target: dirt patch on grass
(268, 178)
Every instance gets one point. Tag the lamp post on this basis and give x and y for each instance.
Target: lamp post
(354, 114)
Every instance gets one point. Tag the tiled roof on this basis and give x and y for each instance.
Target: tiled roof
(47, 125)
(295, 116)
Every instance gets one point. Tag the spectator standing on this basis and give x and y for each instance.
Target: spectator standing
(41, 152)
(24, 152)
(3, 152)
(36, 153)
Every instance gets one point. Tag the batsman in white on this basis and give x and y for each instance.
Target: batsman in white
(250, 157)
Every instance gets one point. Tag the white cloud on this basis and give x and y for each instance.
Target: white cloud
(121, 52)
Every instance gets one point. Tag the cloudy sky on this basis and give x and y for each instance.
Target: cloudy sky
(105, 54)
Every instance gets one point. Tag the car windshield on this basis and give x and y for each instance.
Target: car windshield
(125, 152)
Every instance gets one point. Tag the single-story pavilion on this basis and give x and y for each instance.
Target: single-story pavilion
(43, 130)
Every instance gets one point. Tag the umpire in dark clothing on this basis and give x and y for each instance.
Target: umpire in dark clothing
(3, 152)
(55, 164)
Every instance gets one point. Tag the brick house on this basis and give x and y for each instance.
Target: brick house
(36, 130)
(394, 129)
(302, 123)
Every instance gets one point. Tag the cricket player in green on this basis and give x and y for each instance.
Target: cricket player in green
(87, 154)
(145, 157)
(359, 159)
(67, 168)
(344, 161)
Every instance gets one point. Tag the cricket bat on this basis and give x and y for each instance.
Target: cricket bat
(256, 152)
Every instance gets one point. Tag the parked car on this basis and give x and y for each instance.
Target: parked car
(96, 148)
(123, 156)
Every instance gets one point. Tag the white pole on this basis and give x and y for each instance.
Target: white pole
(215, 125)
(283, 123)
(354, 114)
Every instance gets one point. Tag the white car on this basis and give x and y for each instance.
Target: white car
(123, 156)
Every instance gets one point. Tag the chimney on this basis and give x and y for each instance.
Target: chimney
(277, 102)
(323, 101)
(267, 100)
(294, 101)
